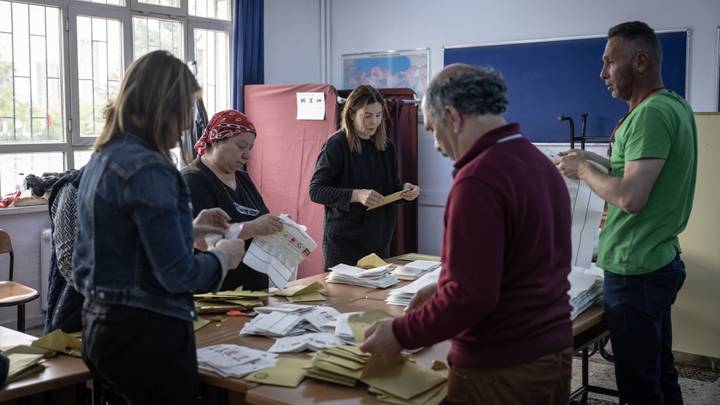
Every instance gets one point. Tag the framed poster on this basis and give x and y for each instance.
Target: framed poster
(390, 69)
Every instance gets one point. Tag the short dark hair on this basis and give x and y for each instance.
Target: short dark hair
(469, 89)
(640, 33)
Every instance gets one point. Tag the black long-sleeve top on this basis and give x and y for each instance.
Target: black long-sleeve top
(242, 204)
(351, 231)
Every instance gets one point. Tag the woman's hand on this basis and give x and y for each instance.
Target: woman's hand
(261, 226)
(213, 220)
(368, 198)
(410, 191)
(233, 251)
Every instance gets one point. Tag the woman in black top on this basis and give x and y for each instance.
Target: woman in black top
(217, 179)
(356, 168)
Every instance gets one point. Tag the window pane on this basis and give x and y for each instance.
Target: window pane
(166, 3)
(82, 157)
(31, 108)
(110, 2)
(100, 68)
(151, 34)
(15, 166)
(212, 54)
(219, 9)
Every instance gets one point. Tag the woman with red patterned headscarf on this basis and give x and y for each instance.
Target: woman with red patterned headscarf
(217, 178)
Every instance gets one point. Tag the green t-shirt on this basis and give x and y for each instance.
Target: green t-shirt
(661, 127)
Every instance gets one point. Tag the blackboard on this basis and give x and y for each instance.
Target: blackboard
(550, 78)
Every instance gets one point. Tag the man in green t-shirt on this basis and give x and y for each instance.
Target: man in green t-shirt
(649, 191)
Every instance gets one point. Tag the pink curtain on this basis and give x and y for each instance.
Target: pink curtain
(283, 159)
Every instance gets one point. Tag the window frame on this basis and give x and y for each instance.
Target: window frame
(69, 11)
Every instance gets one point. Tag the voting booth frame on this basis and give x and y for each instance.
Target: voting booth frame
(287, 147)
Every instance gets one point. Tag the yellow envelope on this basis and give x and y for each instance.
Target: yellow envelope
(433, 396)
(288, 372)
(336, 369)
(316, 296)
(390, 198)
(329, 377)
(340, 361)
(399, 377)
(60, 341)
(24, 361)
(359, 323)
(371, 261)
(200, 323)
(411, 257)
(300, 289)
(247, 303)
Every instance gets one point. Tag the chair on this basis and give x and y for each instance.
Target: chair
(12, 293)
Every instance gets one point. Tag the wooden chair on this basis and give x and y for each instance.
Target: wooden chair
(12, 293)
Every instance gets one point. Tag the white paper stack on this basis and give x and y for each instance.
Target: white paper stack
(403, 295)
(233, 360)
(308, 341)
(585, 290)
(378, 277)
(415, 269)
(291, 320)
(342, 327)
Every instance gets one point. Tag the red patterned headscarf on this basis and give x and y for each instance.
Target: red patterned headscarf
(223, 125)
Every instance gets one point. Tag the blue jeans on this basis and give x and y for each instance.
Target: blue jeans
(637, 312)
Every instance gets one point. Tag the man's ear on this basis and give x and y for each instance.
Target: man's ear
(641, 62)
(455, 119)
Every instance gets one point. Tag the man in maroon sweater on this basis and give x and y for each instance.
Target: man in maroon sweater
(502, 293)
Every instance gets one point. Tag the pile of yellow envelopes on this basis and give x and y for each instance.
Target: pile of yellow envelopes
(340, 365)
(223, 301)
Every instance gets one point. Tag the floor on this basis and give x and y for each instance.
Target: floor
(699, 382)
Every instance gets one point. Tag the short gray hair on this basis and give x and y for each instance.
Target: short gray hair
(471, 90)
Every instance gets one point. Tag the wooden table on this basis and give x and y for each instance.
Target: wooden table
(588, 329)
(61, 372)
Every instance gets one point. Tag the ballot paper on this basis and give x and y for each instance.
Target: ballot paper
(278, 255)
(232, 232)
(378, 277)
(415, 269)
(283, 307)
(342, 327)
(274, 324)
(585, 290)
(308, 341)
(310, 106)
(586, 208)
(403, 295)
(390, 198)
(321, 316)
(234, 361)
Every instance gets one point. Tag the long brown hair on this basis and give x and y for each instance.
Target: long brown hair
(359, 98)
(157, 90)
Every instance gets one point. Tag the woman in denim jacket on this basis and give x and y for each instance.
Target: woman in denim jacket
(133, 258)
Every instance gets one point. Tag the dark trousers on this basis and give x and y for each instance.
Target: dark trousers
(637, 312)
(140, 357)
(544, 381)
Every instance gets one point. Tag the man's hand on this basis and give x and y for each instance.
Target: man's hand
(422, 296)
(261, 226)
(380, 339)
(213, 220)
(570, 164)
(368, 198)
(410, 192)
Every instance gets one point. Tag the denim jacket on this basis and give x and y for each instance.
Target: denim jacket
(134, 243)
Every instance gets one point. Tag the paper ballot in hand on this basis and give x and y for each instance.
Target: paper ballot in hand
(278, 255)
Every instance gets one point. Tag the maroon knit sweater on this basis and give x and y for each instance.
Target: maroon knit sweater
(502, 294)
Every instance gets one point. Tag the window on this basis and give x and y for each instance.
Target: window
(62, 62)
(30, 74)
(151, 34)
(213, 68)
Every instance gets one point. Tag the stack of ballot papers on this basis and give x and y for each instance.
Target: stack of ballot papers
(403, 295)
(415, 269)
(282, 320)
(309, 341)
(340, 365)
(585, 290)
(223, 301)
(234, 361)
(377, 277)
(399, 381)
